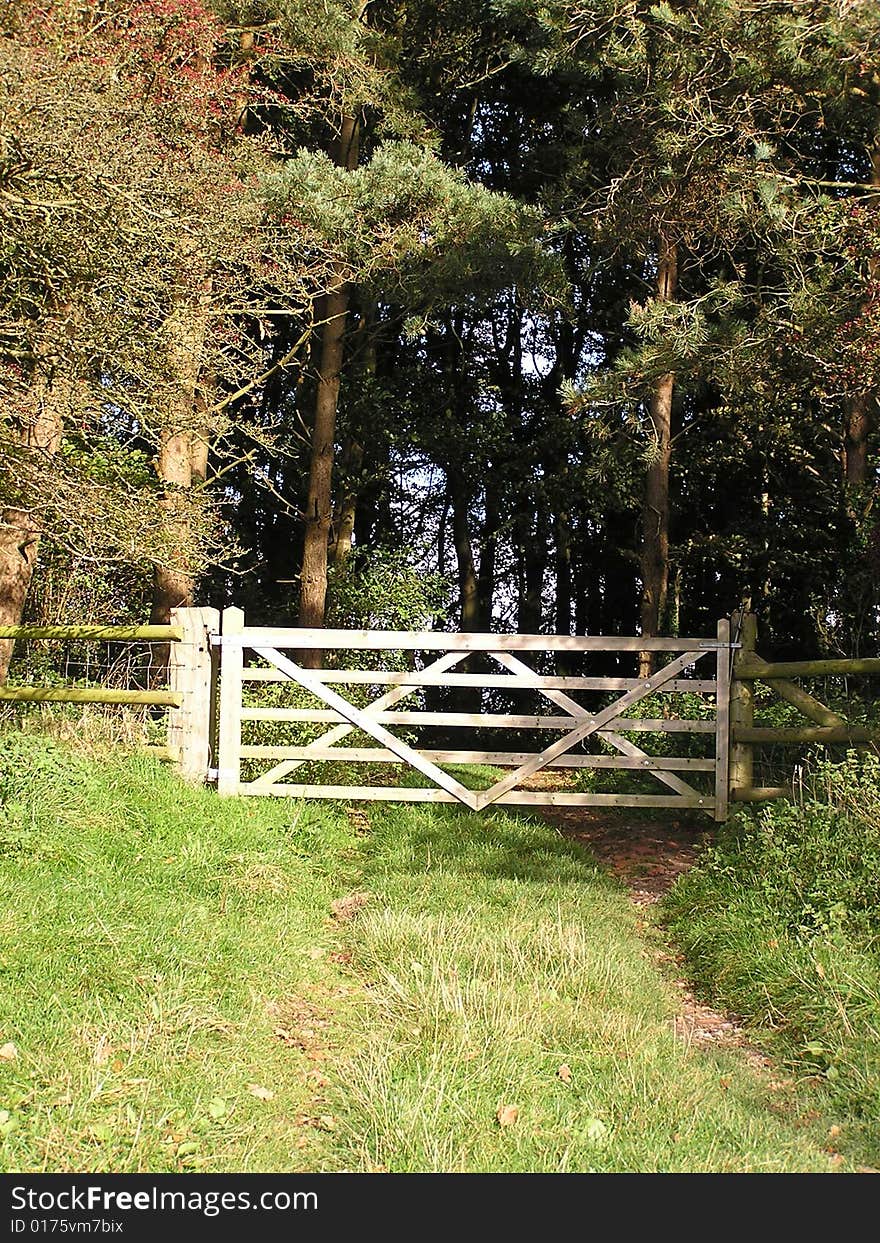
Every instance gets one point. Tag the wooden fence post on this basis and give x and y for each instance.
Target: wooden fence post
(231, 665)
(722, 719)
(190, 736)
(742, 706)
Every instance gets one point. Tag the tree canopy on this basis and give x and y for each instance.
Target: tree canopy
(569, 311)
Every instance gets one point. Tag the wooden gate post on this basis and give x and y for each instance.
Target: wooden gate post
(231, 665)
(742, 708)
(190, 673)
(722, 719)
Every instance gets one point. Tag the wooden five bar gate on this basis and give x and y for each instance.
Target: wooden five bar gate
(206, 713)
(713, 656)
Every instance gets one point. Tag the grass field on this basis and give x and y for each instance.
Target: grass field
(189, 983)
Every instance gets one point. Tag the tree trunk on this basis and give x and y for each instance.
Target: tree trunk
(346, 510)
(173, 581)
(488, 552)
(20, 530)
(655, 507)
(465, 699)
(861, 410)
(319, 501)
(535, 554)
(468, 589)
(564, 570)
(182, 456)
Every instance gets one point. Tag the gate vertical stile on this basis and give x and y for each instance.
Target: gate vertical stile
(229, 741)
(722, 720)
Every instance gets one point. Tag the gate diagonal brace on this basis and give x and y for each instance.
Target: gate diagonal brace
(579, 713)
(364, 721)
(590, 726)
(338, 732)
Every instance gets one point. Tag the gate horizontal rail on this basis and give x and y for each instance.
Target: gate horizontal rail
(442, 651)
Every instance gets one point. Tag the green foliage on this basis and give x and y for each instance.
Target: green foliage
(779, 922)
(410, 228)
(380, 589)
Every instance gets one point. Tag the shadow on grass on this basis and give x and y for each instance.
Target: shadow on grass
(504, 845)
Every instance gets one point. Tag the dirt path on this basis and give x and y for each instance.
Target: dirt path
(648, 856)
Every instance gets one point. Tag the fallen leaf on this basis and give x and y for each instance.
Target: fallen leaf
(595, 1130)
(724, 1083)
(507, 1115)
(564, 1073)
(217, 1107)
(262, 1094)
(833, 1132)
(117, 1065)
(327, 1122)
(346, 908)
(8, 1052)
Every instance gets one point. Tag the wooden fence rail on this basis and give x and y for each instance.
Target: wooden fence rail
(827, 727)
(189, 693)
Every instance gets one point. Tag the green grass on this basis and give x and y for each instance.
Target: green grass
(152, 936)
(780, 921)
(165, 952)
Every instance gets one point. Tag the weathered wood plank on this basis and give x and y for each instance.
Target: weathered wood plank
(757, 668)
(587, 727)
(481, 720)
(808, 733)
(742, 706)
(722, 718)
(416, 678)
(497, 759)
(190, 671)
(88, 695)
(641, 760)
(229, 741)
(437, 640)
(523, 798)
(141, 634)
(367, 722)
(384, 701)
(580, 713)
